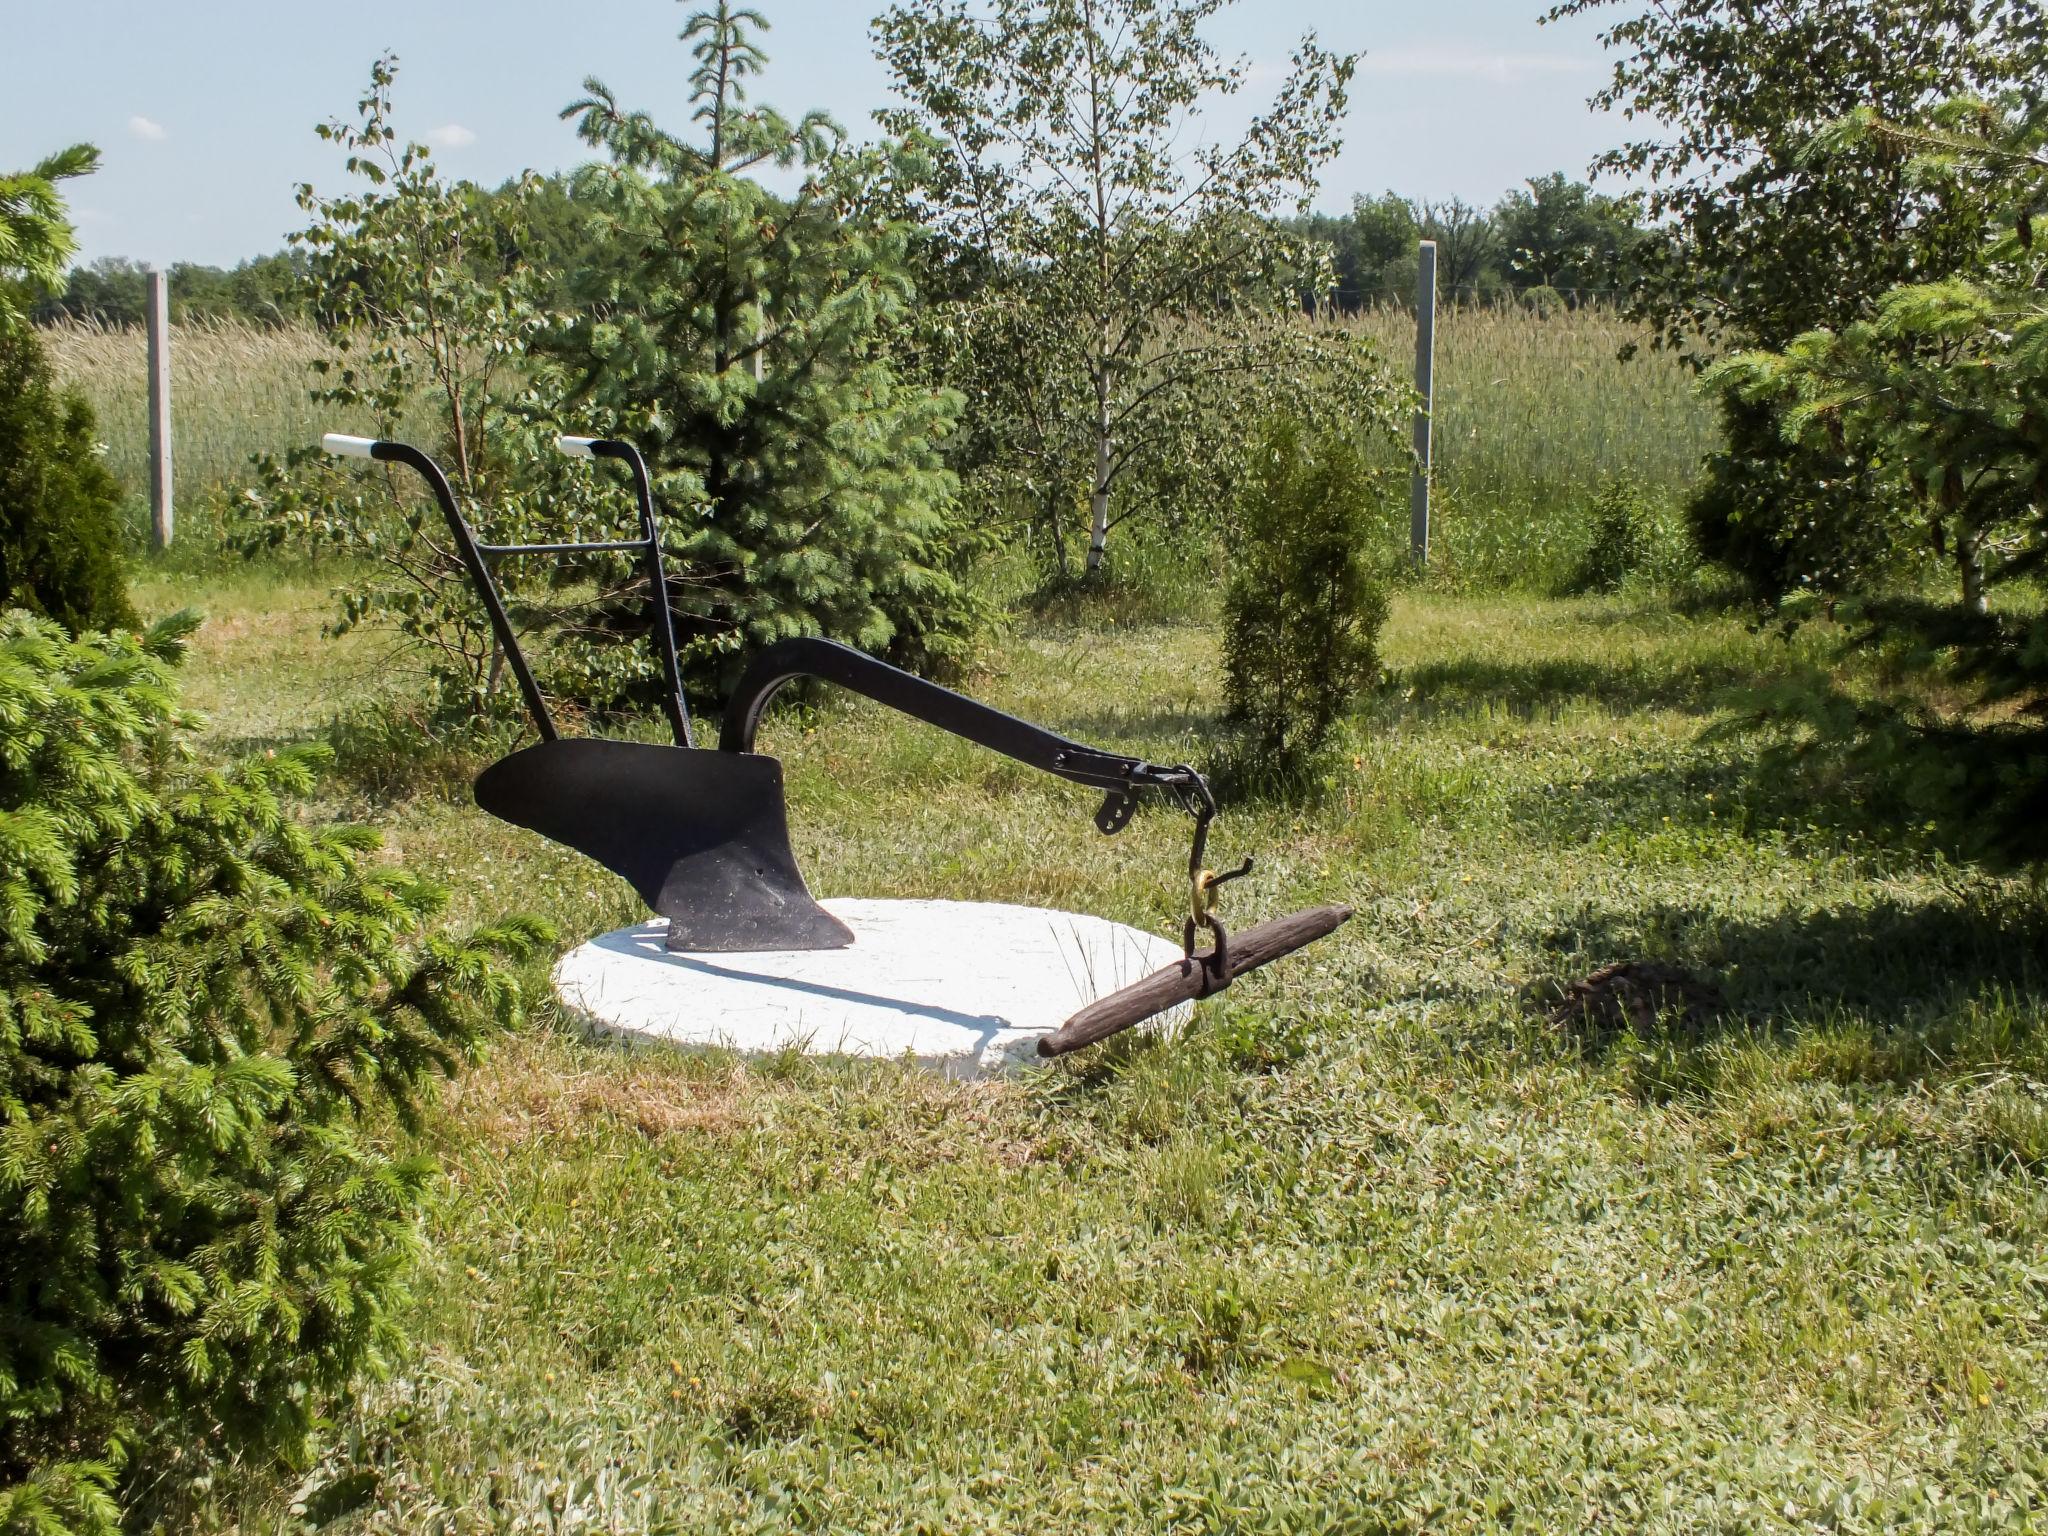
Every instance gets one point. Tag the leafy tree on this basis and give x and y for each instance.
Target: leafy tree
(421, 287)
(36, 239)
(1337, 235)
(1755, 240)
(206, 1006)
(744, 343)
(113, 290)
(428, 298)
(1467, 247)
(1562, 234)
(1388, 232)
(266, 291)
(1758, 240)
(1945, 385)
(1302, 612)
(1133, 284)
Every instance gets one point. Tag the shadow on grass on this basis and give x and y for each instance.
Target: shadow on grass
(1109, 728)
(1934, 987)
(1732, 793)
(1529, 690)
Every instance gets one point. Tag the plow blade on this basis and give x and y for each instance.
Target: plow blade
(702, 836)
(1187, 980)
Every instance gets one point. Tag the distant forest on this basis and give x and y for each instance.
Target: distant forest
(1552, 239)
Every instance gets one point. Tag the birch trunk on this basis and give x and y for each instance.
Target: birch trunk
(1098, 501)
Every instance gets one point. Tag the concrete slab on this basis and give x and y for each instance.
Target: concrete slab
(963, 986)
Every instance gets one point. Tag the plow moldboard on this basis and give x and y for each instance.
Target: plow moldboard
(963, 986)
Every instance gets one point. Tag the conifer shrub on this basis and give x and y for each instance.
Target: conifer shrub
(1302, 611)
(1786, 517)
(212, 1014)
(60, 509)
(750, 345)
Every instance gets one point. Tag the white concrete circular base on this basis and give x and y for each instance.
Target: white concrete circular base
(962, 985)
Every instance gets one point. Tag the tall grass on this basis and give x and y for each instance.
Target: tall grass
(1535, 414)
(235, 390)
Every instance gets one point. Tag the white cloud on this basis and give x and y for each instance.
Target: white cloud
(142, 128)
(1464, 60)
(450, 136)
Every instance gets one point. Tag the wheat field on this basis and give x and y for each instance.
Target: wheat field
(235, 390)
(1535, 413)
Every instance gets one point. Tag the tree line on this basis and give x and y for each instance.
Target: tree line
(114, 290)
(1553, 239)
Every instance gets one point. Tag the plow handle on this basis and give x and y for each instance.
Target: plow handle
(472, 554)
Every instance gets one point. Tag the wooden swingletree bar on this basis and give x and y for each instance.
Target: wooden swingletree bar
(1186, 980)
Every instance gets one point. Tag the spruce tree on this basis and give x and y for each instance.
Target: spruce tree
(36, 238)
(206, 1008)
(744, 346)
(60, 507)
(60, 510)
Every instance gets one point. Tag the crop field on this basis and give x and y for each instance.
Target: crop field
(235, 390)
(1534, 412)
(1375, 1247)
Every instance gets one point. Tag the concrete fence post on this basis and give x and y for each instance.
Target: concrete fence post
(1425, 410)
(160, 513)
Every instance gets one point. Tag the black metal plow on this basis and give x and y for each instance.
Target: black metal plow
(703, 834)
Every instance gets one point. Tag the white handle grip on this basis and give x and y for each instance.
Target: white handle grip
(342, 446)
(575, 447)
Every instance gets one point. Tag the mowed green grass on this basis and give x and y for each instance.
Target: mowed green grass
(1373, 1248)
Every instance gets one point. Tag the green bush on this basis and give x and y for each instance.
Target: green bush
(206, 1008)
(1952, 750)
(60, 510)
(1302, 612)
(1621, 538)
(1790, 517)
(1629, 538)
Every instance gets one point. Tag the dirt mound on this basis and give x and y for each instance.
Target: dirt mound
(1637, 994)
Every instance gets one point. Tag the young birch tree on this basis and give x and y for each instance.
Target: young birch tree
(1141, 299)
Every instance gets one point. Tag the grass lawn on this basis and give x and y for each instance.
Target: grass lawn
(1375, 1248)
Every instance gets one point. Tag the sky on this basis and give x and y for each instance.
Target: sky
(204, 109)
